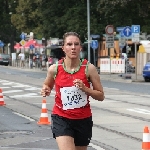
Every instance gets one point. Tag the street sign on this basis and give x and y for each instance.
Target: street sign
(1, 44)
(121, 34)
(94, 44)
(31, 46)
(95, 36)
(22, 36)
(23, 42)
(119, 29)
(135, 33)
(135, 28)
(109, 29)
(135, 37)
(109, 41)
(122, 40)
(127, 31)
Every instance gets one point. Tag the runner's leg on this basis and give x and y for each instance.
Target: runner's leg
(81, 148)
(66, 143)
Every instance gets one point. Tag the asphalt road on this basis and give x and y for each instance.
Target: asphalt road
(118, 120)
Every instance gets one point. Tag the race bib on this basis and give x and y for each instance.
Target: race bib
(72, 97)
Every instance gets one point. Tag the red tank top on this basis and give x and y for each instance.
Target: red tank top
(65, 79)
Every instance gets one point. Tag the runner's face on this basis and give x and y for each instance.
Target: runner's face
(72, 46)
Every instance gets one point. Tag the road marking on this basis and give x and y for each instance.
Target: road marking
(141, 111)
(8, 83)
(12, 91)
(4, 81)
(5, 87)
(95, 146)
(15, 148)
(8, 73)
(119, 96)
(32, 88)
(41, 103)
(26, 95)
(26, 117)
(111, 88)
(26, 87)
(21, 85)
(145, 95)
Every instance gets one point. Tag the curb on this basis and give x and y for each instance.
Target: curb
(107, 77)
(26, 69)
(123, 78)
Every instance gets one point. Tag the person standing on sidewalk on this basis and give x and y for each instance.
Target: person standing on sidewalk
(22, 59)
(71, 116)
(43, 60)
(37, 59)
(50, 61)
(31, 55)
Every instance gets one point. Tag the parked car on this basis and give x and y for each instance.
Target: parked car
(146, 71)
(5, 59)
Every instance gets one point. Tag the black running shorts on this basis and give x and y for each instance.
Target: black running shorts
(79, 129)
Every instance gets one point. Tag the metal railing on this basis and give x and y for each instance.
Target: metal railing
(28, 64)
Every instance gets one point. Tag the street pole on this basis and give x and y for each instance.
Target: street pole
(126, 63)
(88, 25)
(135, 61)
(109, 60)
(12, 43)
(94, 57)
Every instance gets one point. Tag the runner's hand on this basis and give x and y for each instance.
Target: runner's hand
(45, 91)
(79, 84)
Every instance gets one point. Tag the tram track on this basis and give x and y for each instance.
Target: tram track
(94, 125)
(95, 107)
(100, 127)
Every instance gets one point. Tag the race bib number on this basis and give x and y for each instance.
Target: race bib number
(72, 97)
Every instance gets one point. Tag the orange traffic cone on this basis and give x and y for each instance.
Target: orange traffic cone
(1, 98)
(146, 139)
(44, 114)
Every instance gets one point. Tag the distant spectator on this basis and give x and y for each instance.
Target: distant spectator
(22, 59)
(50, 61)
(31, 57)
(43, 57)
(37, 59)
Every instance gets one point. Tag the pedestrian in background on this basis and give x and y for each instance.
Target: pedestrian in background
(31, 56)
(37, 59)
(50, 60)
(22, 59)
(71, 116)
(43, 60)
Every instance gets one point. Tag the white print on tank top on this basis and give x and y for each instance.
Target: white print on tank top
(72, 97)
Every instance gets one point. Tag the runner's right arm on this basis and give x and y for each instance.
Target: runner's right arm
(49, 81)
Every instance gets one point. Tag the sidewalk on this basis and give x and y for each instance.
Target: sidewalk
(34, 69)
(104, 76)
(118, 78)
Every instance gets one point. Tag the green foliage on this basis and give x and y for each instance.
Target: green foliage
(5, 24)
(124, 12)
(28, 16)
(64, 16)
(52, 18)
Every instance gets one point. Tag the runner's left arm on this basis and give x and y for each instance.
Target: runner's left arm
(97, 92)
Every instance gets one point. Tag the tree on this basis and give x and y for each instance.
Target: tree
(125, 12)
(5, 25)
(62, 16)
(52, 18)
(28, 17)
